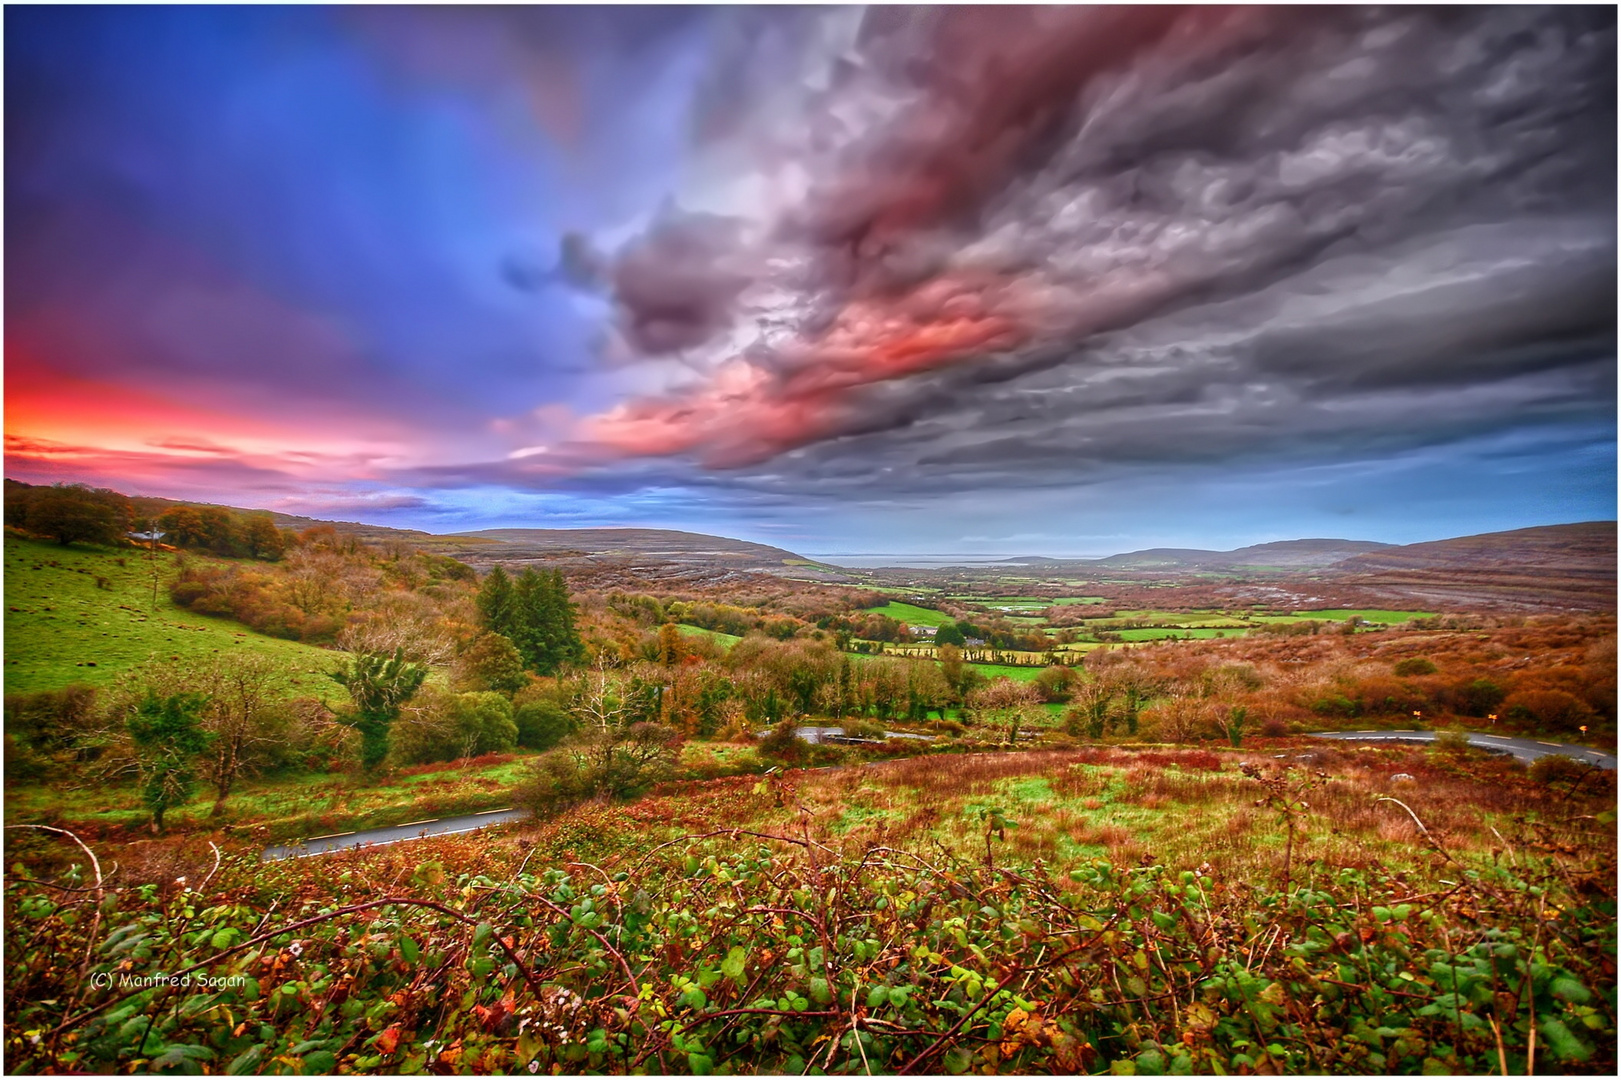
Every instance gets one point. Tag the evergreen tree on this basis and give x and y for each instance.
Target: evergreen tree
(380, 686)
(495, 603)
(535, 614)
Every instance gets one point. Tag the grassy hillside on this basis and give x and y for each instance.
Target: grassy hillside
(913, 615)
(720, 637)
(86, 615)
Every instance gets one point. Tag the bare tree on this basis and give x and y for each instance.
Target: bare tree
(1007, 702)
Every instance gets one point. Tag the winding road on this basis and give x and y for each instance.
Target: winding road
(393, 834)
(1526, 750)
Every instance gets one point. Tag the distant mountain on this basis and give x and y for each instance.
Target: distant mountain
(1564, 565)
(659, 544)
(1277, 555)
(1586, 548)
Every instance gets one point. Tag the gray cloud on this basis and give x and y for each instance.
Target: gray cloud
(1202, 235)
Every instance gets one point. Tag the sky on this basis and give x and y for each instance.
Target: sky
(1059, 281)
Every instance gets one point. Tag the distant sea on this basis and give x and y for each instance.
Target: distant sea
(864, 560)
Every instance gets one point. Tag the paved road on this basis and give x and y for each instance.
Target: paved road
(1526, 750)
(321, 845)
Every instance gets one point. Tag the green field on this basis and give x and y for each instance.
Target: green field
(1032, 603)
(1160, 633)
(288, 806)
(1387, 618)
(913, 615)
(720, 637)
(61, 628)
(996, 671)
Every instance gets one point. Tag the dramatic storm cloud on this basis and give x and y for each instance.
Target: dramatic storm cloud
(838, 277)
(1032, 235)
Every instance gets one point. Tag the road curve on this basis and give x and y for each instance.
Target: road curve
(1526, 750)
(393, 834)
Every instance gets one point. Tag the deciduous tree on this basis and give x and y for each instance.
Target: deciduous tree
(168, 734)
(68, 513)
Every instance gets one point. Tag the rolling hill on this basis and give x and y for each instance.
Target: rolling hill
(1570, 566)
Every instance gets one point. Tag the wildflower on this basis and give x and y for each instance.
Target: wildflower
(296, 948)
(534, 1066)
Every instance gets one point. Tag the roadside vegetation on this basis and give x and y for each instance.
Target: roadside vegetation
(1045, 912)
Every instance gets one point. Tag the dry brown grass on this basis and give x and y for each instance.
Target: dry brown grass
(1193, 807)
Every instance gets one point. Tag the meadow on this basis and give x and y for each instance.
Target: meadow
(87, 615)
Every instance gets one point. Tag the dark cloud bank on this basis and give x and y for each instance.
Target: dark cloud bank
(1196, 235)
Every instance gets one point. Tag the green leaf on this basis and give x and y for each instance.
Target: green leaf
(819, 991)
(224, 939)
(1563, 1041)
(246, 1062)
(410, 950)
(481, 934)
(700, 1064)
(1568, 989)
(732, 966)
(877, 997)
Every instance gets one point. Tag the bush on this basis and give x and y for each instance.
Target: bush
(863, 729)
(445, 727)
(1414, 665)
(557, 780)
(1335, 705)
(1548, 708)
(1476, 697)
(782, 745)
(1557, 770)
(51, 720)
(542, 724)
(1450, 742)
(617, 762)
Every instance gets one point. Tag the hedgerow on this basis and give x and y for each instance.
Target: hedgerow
(742, 952)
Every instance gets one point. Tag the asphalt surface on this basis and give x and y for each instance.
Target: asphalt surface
(1526, 750)
(394, 834)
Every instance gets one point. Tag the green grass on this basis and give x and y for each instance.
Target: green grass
(1018, 674)
(913, 615)
(289, 806)
(724, 639)
(1202, 618)
(1034, 603)
(62, 629)
(1160, 633)
(1371, 615)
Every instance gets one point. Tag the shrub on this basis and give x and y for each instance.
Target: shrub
(445, 727)
(542, 724)
(1450, 742)
(1415, 665)
(617, 762)
(1335, 705)
(863, 729)
(1476, 697)
(1557, 770)
(51, 720)
(1549, 708)
(783, 745)
(557, 780)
